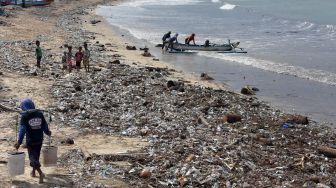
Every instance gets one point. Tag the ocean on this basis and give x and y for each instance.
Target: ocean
(291, 45)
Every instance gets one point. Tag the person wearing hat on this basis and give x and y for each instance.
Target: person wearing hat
(32, 125)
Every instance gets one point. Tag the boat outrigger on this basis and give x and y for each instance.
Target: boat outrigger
(220, 48)
(25, 3)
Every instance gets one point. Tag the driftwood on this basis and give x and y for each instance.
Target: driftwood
(232, 118)
(327, 151)
(298, 119)
(202, 120)
(8, 108)
(111, 157)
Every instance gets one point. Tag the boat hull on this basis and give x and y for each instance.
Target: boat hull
(183, 47)
(27, 3)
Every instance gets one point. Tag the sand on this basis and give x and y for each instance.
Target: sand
(32, 24)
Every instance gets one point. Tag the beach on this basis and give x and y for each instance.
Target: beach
(142, 122)
(289, 50)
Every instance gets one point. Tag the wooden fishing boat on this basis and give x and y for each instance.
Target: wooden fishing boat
(26, 3)
(210, 47)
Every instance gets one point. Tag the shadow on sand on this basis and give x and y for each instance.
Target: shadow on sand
(50, 180)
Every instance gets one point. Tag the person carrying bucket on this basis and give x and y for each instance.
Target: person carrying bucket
(33, 125)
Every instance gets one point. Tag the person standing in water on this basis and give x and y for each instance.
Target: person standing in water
(38, 53)
(33, 125)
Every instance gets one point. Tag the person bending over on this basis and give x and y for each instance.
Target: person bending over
(190, 38)
(172, 41)
(165, 38)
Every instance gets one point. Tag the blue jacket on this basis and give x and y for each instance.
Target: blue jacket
(32, 124)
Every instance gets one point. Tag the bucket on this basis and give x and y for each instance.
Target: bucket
(49, 154)
(16, 163)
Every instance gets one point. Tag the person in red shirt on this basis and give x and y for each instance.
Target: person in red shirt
(79, 57)
(190, 38)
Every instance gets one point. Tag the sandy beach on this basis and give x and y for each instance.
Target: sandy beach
(139, 122)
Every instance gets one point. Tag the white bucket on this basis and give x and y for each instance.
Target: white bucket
(49, 154)
(16, 163)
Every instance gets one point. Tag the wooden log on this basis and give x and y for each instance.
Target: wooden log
(8, 108)
(202, 120)
(298, 119)
(232, 118)
(327, 151)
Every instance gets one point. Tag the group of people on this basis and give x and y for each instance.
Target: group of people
(168, 41)
(33, 124)
(68, 59)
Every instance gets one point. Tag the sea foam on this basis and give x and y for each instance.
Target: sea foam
(280, 68)
(227, 6)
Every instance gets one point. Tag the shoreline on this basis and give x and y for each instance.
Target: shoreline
(108, 34)
(288, 93)
(128, 119)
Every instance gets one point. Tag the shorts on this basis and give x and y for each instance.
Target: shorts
(86, 62)
(78, 64)
(38, 61)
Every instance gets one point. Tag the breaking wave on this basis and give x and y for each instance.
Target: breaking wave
(227, 6)
(215, 1)
(280, 68)
(305, 26)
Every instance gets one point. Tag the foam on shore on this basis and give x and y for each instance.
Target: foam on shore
(228, 6)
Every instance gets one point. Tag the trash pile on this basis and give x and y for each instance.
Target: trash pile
(198, 137)
(191, 142)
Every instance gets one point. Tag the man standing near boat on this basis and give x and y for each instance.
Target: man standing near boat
(190, 38)
(165, 38)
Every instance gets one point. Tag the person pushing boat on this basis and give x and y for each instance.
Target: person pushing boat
(190, 38)
(165, 38)
(172, 41)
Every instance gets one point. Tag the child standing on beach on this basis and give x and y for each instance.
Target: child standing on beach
(86, 58)
(38, 53)
(79, 57)
(64, 61)
(69, 58)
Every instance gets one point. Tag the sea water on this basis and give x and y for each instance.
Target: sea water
(291, 45)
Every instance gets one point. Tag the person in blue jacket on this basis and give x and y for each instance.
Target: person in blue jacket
(33, 125)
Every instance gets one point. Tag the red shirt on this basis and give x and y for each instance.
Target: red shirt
(79, 56)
